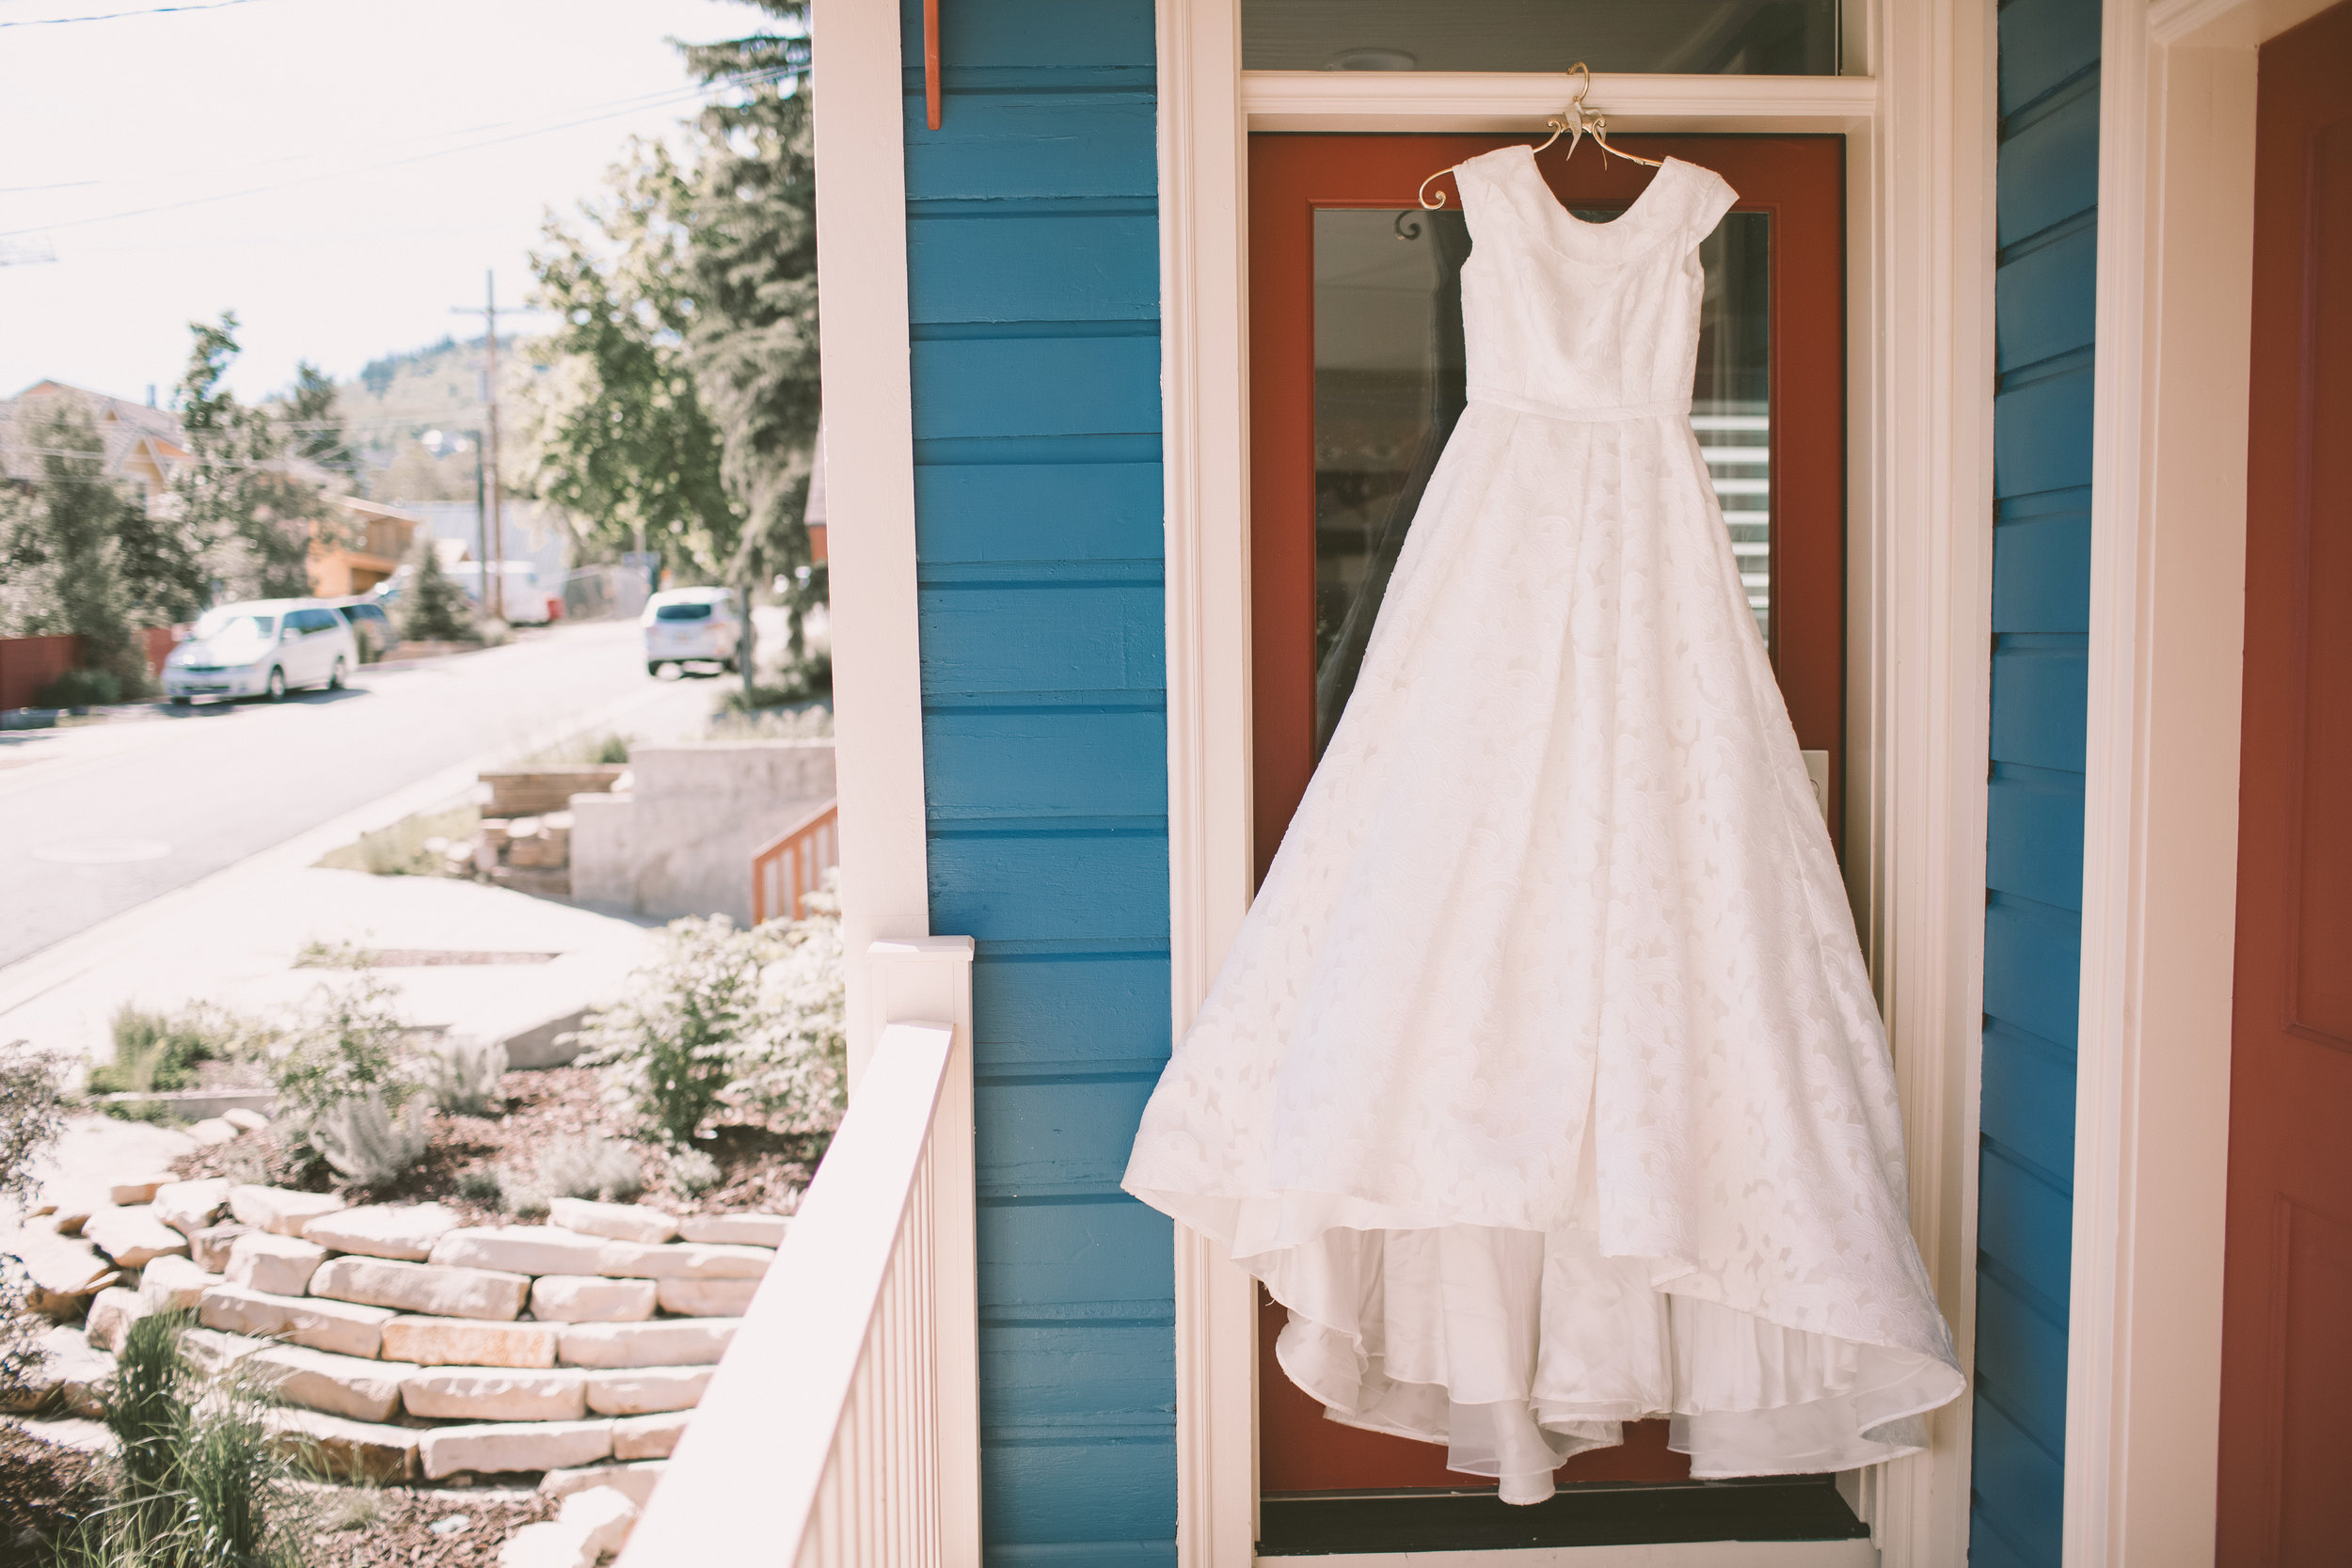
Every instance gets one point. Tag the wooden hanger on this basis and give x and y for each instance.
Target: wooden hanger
(1575, 122)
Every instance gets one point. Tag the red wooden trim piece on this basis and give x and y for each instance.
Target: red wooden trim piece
(930, 63)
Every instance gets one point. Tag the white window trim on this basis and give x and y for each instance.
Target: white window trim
(869, 440)
(2176, 176)
(1920, 388)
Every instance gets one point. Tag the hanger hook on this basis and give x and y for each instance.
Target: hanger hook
(1583, 86)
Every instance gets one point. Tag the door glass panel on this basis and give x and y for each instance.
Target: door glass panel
(1389, 386)
(1746, 38)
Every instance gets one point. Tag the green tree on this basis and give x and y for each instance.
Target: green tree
(64, 548)
(238, 495)
(315, 420)
(433, 609)
(751, 215)
(617, 433)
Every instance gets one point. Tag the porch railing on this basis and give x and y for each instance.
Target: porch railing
(790, 867)
(842, 1427)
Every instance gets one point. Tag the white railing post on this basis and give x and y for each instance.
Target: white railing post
(930, 978)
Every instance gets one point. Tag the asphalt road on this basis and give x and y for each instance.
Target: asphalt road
(98, 818)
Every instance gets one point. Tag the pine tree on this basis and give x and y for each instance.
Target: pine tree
(252, 514)
(433, 609)
(64, 550)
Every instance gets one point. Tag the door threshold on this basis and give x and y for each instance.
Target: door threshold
(1798, 1521)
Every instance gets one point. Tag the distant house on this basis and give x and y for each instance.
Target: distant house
(142, 443)
(361, 548)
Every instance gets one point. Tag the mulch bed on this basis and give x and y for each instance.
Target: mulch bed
(43, 1489)
(761, 1168)
(392, 1528)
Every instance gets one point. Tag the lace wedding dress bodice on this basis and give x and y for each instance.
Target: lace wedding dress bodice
(1544, 1083)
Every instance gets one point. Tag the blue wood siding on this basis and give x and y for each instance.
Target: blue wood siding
(2044, 298)
(1033, 274)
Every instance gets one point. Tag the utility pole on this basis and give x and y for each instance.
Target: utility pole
(494, 521)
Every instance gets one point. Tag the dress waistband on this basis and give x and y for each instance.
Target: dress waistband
(1576, 416)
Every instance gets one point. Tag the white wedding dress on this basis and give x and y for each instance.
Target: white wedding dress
(1543, 1083)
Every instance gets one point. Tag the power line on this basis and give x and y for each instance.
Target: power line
(118, 16)
(749, 78)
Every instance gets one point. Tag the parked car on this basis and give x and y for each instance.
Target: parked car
(370, 625)
(263, 648)
(689, 625)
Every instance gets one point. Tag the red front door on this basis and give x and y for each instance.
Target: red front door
(1354, 381)
(2286, 1355)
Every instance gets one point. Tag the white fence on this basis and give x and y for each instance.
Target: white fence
(842, 1427)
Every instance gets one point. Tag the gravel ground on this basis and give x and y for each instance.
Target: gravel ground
(43, 1489)
(394, 1527)
(760, 1169)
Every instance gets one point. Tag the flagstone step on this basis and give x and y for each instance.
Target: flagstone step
(275, 1265)
(691, 1261)
(495, 1394)
(707, 1298)
(634, 1481)
(430, 1288)
(346, 1449)
(346, 1328)
(647, 1390)
(133, 1237)
(673, 1342)
(592, 1299)
(746, 1230)
(648, 1437)
(174, 1284)
(279, 1208)
(492, 1448)
(520, 1249)
(188, 1206)
(347, 1386)
(470, 1342)
(616, 1222)
(401, 1231)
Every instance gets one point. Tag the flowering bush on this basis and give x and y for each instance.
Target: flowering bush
(749, 1020)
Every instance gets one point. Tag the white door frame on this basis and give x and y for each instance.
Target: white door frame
(2176, 180)
(1919, 552)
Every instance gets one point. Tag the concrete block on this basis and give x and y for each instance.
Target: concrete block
(210, 1247)
(707, 1298)
(616, 1222)
(495, 1394)
(591, 1299)
(439, 1292)
(345, 1448)
(188, 1206)
(497, 1446)
(685, 1342)
(174, 1284)
(606, 1512)
(520, 1249)
(741, 1229)
(346, 1386)
(279, 1208)
(403, 1231)
(275, 1265)
(647, 1390)
(343, 1327)
(633, 1260)
(648, 1437)
(470, 1342)
(133, 1237)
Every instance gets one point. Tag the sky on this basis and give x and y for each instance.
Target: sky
(340, 173)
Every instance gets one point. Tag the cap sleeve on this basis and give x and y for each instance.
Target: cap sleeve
(1710, 197)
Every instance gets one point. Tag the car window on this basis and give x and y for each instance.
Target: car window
(683, 612)
(232, 627)
(366, 611)
(309, 620)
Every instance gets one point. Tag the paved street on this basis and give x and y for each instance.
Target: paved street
(98, 819)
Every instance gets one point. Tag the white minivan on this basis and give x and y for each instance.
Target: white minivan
(689, 625)
(263, 648)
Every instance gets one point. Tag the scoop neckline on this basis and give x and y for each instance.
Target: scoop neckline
(1583, 232)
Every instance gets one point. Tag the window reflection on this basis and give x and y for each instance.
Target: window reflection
(1746, 38)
